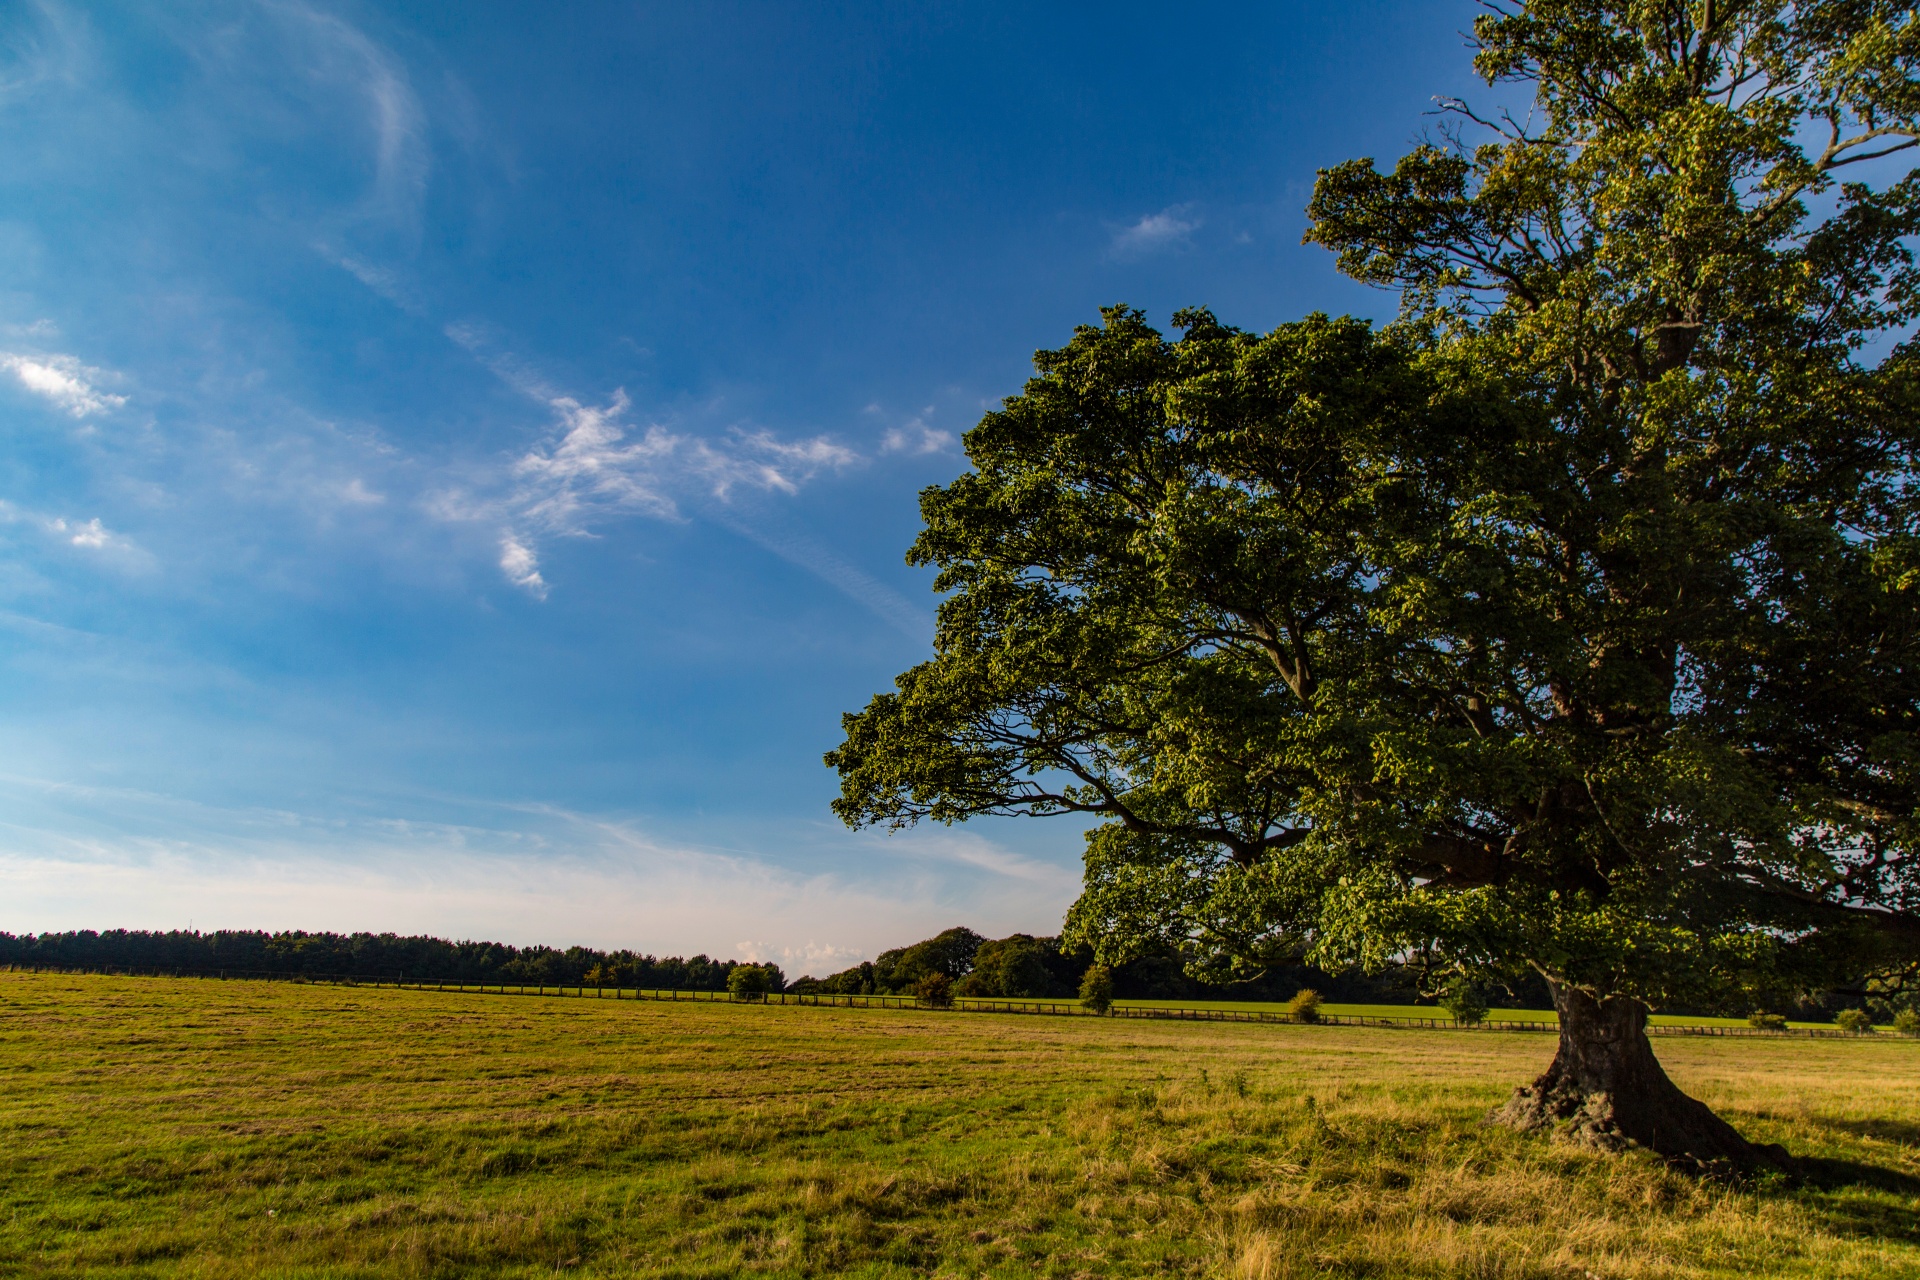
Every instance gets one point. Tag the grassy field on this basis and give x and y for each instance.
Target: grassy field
(196, 1128)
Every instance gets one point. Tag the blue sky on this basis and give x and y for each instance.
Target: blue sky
(458, 458)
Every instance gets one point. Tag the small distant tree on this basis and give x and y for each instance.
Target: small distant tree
(1854, 1022)
(749, 982)
(1907, 1022)
(1305, 1005)
(935, 991)
(1465, 1002)
(1096, 989)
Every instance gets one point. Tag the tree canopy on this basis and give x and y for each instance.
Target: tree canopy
(1567, 624)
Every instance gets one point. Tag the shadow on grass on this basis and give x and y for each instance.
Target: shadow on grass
(1906, 1132)
(1860, 1199)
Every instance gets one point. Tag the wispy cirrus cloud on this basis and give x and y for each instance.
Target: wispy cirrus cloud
(593, 468)
(337, 59)
(64, 381)
(1170, 228)
(761, 460)
(967, 849)
(596, 465)
(385, 281)
(850, 580)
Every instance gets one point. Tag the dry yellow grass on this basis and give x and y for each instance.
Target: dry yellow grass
(194, 1128)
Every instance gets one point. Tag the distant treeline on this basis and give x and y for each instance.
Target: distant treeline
(363, 955)
(1024, 965)
(1020, 965)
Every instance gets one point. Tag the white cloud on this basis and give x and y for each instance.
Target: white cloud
(916, 437)
(65, 381)
(521, 566)
(759, 459)
(817, 958)
(596, 465)
(593, 467)
(90, 534)
(1166, 229)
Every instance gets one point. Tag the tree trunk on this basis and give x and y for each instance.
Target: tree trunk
(1605, 1089)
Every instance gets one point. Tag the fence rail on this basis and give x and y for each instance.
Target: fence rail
(961, 1004)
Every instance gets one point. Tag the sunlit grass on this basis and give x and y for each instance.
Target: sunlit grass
(198, 1128)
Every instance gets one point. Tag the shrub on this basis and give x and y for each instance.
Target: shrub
(935, 991)
(1907, 1022)
(1305, 1005)
(1761, 1020)
(1464, 1001)
(1096, 989)
(749, 982)
(1854, 1022)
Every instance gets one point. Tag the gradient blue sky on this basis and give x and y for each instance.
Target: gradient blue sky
(458, 457)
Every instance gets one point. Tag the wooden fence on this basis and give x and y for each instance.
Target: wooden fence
(961, 1004)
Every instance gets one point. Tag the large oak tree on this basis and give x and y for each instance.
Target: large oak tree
(1569, 625)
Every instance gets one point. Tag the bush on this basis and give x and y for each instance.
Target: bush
(1305, 1005)
(1907, 1022)
(935, 991)
(1854, 1022)
(1096, 989)
(749, 982)
(1761, 1020)
(1464, 1001)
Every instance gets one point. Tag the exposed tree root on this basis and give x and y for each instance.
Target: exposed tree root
(1606, 1090)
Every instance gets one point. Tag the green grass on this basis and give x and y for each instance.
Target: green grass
(194, 1128)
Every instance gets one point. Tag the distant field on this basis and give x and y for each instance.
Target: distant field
(192, 1128)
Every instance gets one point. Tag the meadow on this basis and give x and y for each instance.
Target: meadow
(196, 1128)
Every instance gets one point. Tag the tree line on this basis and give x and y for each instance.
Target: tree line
(1018, 966)
(366, 955)
(1027, 966)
